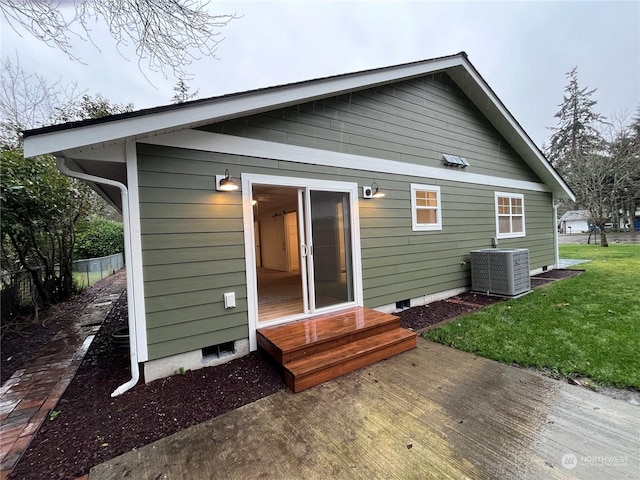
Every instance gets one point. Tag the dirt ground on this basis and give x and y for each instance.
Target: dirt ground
(92, 427)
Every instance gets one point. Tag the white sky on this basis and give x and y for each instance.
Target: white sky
(522, 49)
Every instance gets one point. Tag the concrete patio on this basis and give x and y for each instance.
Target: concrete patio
(433, 412)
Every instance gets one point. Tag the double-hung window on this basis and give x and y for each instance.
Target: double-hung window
(426, 211)
(509, 215)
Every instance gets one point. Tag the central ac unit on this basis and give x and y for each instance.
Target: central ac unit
(500, 271)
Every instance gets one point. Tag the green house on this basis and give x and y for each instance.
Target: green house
(306, 231)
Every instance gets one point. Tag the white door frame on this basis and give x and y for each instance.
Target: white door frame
(248, 180)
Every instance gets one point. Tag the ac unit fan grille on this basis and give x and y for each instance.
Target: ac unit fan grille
(500, 271)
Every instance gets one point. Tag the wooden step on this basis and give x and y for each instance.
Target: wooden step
(292, 341)
(307, 372)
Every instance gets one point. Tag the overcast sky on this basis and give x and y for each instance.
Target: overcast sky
(522, 49)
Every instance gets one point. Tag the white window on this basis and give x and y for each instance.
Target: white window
(509, 215)
(425, 207)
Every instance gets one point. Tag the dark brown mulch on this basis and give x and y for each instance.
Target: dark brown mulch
(551, 276)
(559, 274)
(19, 347)
(420, 318)
(92, 427)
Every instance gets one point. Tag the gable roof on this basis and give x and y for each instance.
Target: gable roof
(575, 215)
(118, 129)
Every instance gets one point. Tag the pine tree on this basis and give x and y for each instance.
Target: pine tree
(182, 94)
(577, 135)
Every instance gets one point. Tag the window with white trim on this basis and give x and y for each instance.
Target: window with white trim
(426, 209)
(509, 215)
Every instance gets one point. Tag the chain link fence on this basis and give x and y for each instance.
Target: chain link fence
(91, 270)
(19, 292)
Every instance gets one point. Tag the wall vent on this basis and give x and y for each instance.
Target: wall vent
(454, 161)
(500, 271)
(218, 351)
(403, 305)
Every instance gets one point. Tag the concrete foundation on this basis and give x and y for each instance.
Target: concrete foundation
(167, 366)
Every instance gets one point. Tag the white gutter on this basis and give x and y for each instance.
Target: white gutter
(133, 350)
(556, 204)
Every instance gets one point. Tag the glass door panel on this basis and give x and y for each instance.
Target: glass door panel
(331, 251)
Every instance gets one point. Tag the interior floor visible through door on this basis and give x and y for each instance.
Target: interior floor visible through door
(279, 294)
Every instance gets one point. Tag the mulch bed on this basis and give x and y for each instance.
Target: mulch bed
(92, 427)
(425, 317)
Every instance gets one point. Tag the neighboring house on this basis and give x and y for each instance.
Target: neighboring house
(300, 236)
(574, 221)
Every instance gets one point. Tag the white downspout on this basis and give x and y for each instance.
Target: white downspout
(133, 350)
(556, 204)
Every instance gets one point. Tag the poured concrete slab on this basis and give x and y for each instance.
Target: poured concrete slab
(432, 412)
(570, 262)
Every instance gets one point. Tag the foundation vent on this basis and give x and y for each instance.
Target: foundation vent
(218, 351)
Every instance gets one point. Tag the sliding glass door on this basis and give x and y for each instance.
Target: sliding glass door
(321, 232)
(329, 251)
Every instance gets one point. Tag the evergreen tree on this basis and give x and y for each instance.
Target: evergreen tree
(625, 150)
(182, 94)
(577, 135)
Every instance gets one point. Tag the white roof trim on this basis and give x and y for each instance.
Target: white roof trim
(224, 107)
(512, 131)
(216, 142)
(143, 127)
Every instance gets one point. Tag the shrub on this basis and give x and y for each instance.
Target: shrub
(98, 237)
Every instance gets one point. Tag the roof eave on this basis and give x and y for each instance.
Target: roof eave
(478, 90)
(122, 128)
(222, 108)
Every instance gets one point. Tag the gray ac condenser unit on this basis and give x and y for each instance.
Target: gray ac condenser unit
(500, 271)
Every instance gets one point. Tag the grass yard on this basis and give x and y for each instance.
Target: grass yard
(588, 325)
(85, 280)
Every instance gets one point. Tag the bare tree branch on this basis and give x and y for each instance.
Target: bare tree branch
(167, 34)
(27, 100)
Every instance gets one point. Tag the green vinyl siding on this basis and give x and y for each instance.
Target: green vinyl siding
(193, 239)
(399, 264)
(415, 121)
(193, 247)
(192, 253)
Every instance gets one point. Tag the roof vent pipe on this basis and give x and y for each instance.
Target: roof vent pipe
(133, 348)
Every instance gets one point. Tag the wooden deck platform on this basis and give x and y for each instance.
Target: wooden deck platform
(318, 349)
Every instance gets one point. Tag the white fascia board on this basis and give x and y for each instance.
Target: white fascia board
(474, 86)
(216, 142)
(218, 109)
(114, 153)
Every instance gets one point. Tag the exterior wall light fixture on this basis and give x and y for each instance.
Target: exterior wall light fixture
(372, 192)
(224, 183)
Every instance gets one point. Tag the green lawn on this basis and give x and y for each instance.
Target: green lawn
(84, 280)
(587, 325)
